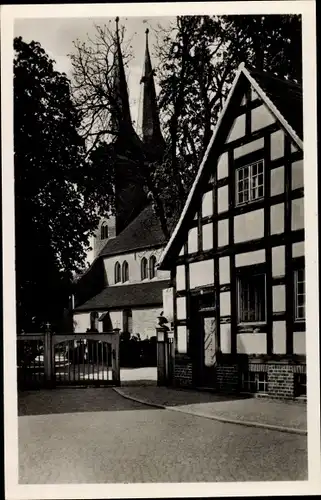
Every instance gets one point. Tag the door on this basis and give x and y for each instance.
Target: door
(205, 348)
(209, 349)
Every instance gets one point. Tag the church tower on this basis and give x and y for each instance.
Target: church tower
(152, 135)
(130, 150)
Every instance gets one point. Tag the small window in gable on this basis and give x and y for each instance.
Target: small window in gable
(104, 231)
(144, 268)
(250, 182)
(152, 267)
(125, 272)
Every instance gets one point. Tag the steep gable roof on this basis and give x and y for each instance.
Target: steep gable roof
(143, 232)
(278, 97)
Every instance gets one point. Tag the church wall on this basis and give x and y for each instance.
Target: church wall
(134, 262)
(145, 321)
(81, 322)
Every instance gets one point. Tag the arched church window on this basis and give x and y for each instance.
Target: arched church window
(152, 267)
(125, 272)
(144, 268)
(117, 273)
(104, 231)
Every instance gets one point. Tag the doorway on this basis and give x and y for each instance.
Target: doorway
(205, 343)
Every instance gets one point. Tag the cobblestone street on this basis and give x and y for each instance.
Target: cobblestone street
(122, 441)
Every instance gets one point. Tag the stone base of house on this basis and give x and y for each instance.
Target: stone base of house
(277, 377)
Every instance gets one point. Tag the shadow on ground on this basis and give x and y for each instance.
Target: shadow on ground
(73, 400)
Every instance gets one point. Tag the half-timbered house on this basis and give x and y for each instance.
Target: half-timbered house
(237, 253)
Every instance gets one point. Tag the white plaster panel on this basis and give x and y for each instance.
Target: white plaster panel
(182, 251)
(249, 226)
(279, 337)
(222, 166)
(181, 307)
(222, 232)
(224, 264)
(225, 338)
(261, 117)
(249, 258)
(277, 218)
(299, 343)
(201, 273)
(207, 204)
(278, 292)
(251, 343)
(298, 249)
(249, 148)
(238, 128)
(294, 147)
(182, 339)
(222, 199)
(180, 278)
(81, 322)
(277, 181)
(192, 240)
(277, 145)
(297, 174)
(225, 303)
(297, 214)
(278, 261)
(208, 236)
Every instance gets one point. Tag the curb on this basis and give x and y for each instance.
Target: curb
(279, 428)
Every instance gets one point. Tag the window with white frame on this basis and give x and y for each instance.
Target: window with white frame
(251, 297)
(255, 381)
(250, 182)
(299, 295)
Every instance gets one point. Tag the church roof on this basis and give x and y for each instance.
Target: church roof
(143, 232)
(136, 294)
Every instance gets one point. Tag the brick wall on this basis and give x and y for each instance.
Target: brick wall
(227, 378)
(280, 380)
(183, 374)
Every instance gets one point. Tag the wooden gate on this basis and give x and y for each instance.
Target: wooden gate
(50, 360)
(86, 359)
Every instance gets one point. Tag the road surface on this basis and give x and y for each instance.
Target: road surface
(97, 436)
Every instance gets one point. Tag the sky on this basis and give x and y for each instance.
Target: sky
(56, 36)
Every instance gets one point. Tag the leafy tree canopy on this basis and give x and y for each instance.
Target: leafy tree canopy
(55, 209)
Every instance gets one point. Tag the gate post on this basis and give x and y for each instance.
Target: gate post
(47, 356)
(115, 357)
(171, 356)
(161, 356)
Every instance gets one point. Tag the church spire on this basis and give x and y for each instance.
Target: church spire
(120, 85)
(152, 135)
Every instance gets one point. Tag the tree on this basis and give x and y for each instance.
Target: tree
(55, 210)
(198, 57)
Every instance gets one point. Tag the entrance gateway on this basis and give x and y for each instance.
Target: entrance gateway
(74, 359)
